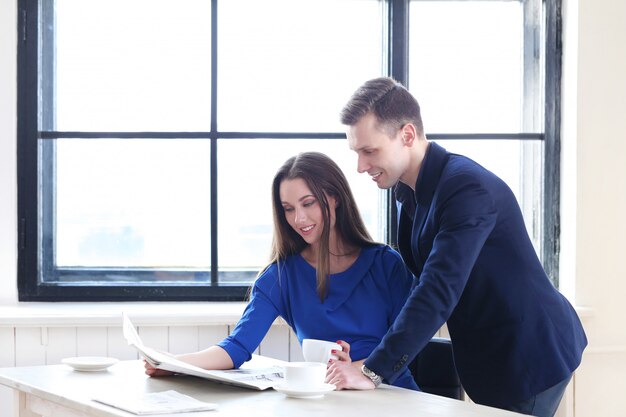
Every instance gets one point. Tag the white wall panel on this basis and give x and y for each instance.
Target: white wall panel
(61, 344)
(7, 401)
(7, 347)
(7, 359)
(295, 350)
(210, 335)
(276, 343)
(29, 346)
(91, 341)
(117, 347)
(155, 337)
(183, 339)
(600, 383)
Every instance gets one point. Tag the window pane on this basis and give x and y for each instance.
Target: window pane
(246, 169)
(132, 65)
(519, 164)
(466, 65)
(133, 203)
(290, 66)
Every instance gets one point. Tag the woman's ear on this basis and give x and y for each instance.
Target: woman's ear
(333, 201)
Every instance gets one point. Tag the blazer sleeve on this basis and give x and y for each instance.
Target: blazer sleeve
(464, 215)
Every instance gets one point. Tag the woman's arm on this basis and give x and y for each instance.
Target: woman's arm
(237, 348)
(212, 358)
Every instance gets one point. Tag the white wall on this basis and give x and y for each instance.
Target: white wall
(8, 174)
(593, 218)
(593, 180)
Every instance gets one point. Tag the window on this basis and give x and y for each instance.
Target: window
(486, 74)
(149, 130)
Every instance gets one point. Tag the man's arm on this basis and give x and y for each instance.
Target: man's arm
(464, 216)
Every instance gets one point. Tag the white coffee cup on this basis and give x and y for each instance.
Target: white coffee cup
(304, 375)
(315, 350)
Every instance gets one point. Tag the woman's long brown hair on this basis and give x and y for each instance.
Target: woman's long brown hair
(324, 178)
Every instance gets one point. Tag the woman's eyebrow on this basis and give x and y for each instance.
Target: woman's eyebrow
(300, 199)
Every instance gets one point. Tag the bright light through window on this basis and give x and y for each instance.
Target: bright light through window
(158, 125)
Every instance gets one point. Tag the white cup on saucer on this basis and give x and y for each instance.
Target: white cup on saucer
(315, 350)
(305, 376)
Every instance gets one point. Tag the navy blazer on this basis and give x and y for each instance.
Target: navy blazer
(462, 235)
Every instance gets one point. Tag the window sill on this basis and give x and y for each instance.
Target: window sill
(142, 314)
(110, 314)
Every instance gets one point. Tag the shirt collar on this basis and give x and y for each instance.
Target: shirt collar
(427, 179)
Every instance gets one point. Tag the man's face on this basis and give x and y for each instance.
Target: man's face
(384, 157)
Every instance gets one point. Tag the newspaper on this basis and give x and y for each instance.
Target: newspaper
(260, 373)
(166, 402)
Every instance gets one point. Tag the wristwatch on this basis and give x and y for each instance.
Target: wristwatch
(376, 379)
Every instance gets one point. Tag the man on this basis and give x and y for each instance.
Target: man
(516, 339)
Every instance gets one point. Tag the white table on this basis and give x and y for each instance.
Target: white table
(57, 390)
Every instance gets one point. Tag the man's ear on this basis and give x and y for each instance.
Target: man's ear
(409, 134)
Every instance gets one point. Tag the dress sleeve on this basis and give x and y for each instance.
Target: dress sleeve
(399, 281)
(258, 316)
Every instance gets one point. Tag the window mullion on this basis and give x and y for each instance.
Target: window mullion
(214, 150)
(552, 166)
(398, 54)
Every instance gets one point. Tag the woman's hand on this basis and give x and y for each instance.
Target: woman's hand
(344, 354)
(345, 374)
(152, 371)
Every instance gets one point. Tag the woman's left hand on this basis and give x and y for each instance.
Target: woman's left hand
(345, 374)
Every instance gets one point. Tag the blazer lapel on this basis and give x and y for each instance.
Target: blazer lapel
(410, 228)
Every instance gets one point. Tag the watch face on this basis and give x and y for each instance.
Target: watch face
(368, 372)
(376, 379)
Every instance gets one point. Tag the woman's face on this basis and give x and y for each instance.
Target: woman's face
(302, 210)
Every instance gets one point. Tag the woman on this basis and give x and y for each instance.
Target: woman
(326, 277)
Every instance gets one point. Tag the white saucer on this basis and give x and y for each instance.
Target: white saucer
(308, 393)
(89, 363)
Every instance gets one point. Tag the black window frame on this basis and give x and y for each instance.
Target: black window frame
(31, 117)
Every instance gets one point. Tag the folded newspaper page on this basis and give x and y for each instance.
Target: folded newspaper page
(166, 402)
(259, 373)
